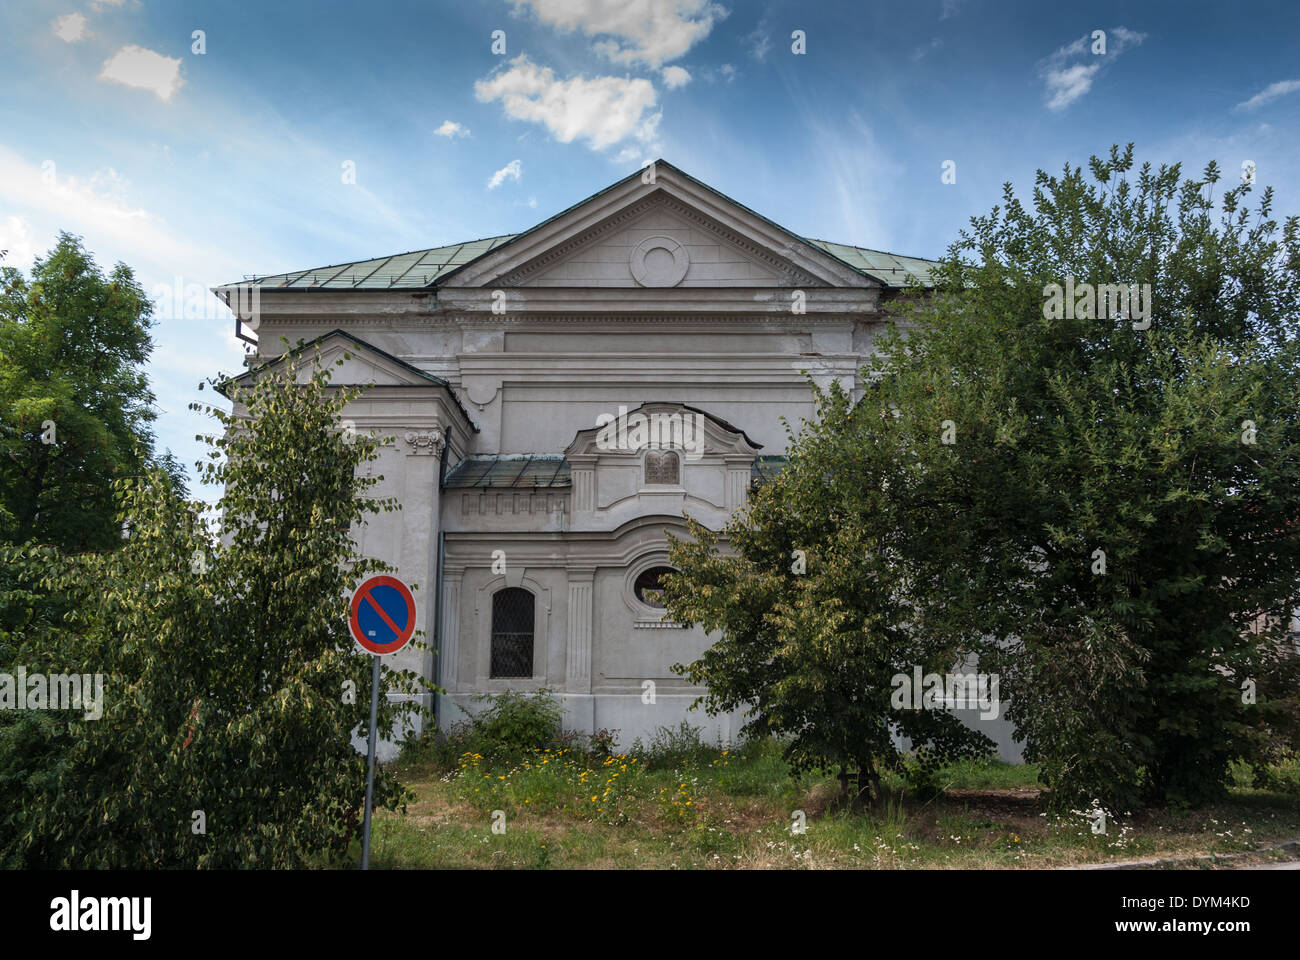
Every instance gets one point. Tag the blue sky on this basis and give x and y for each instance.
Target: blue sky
(198, 168)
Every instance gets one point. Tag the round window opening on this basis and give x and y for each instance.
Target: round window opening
(647, 588)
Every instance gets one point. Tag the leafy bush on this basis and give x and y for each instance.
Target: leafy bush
(677, 747)
(434, 748)
(1281, 777)
(513, 724)
(599, 745)
(33, 749)
(511, 727)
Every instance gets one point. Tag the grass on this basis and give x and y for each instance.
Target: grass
(683, 806)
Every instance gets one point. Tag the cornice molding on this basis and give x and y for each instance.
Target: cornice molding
(782, 322)
(452, 321)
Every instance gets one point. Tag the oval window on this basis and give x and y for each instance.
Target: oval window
(647, 588)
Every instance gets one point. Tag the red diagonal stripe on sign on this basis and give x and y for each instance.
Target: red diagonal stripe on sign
(397, 631)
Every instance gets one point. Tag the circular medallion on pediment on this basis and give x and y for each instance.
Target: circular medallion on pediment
(659, 262)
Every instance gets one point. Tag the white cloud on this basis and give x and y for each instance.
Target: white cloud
(1126, 37)
(70, 27)
(925, 49)
(640, 31)
(511, 171)
(98, 209)
(137, 67)
(451, 129)
(16, 241)
(1067, 84)
(724, 74)
(110, 183)
(1069, 72)
(675, 77)
(1270, 93)
(759, 42)
(950, 8)
(851, 163)
(602, 110)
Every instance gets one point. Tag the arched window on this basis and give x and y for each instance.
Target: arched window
(512, 633)
(647, 588)
(663, 467)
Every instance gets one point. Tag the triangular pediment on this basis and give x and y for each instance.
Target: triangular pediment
(362, 365)
(665, 230)
(660, 242)
(352, 362)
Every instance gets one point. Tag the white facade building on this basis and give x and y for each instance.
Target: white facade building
(533, 540)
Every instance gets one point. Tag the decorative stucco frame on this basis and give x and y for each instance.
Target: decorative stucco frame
(646, 616)
(483, 632)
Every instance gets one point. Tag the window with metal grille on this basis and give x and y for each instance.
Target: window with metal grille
(512, 633)
(662, 467)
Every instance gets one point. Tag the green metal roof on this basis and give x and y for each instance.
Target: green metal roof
(411, 270)
(510, 470)
(422, 268)
(889, 267)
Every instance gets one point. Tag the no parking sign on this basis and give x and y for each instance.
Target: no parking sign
(383, 615)
(382, 620)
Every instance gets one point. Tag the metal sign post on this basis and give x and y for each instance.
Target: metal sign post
(382, 621)
(370, 762)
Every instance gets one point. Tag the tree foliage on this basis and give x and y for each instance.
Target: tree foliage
(231, 683)
(75, 408)
(1104, 510)
(814, 611)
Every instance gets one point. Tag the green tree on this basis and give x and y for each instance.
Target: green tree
(1131, 475)
(1101, 503)
(814, 614)
(75, 406)
(75, 413)
(231, 683)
